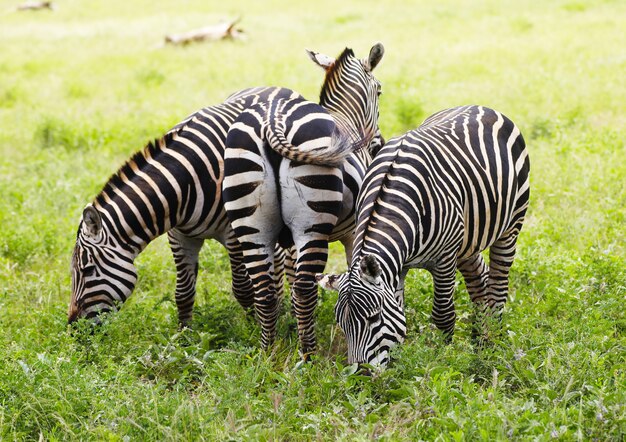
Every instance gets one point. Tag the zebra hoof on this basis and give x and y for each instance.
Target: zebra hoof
(305, 358)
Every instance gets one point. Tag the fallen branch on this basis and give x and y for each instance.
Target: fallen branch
(209, 33)
(34, 6)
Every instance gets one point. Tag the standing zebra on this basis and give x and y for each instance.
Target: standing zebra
(433, 198)
(302, 197)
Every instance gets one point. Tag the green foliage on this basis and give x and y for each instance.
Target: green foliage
(81, 88)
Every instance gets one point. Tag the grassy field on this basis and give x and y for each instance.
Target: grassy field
(83, 87)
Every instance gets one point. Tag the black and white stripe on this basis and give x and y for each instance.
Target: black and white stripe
(434, 198)
(293, 170)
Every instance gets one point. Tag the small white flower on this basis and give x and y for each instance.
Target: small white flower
(519, 354)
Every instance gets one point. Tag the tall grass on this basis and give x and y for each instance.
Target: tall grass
(83, 87)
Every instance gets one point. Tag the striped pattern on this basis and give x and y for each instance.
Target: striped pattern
(434, 198)
(293, 170)
(174, 186)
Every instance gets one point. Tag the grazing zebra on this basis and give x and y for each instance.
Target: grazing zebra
(433, 198)
(173, 186)
(303, 197)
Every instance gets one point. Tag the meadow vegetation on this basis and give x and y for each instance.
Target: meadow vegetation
(85, 86)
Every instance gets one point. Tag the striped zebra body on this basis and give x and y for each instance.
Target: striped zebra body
(293, 170)
(434, 198)
(173, 186)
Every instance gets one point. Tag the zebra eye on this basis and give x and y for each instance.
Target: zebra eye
(89, 270)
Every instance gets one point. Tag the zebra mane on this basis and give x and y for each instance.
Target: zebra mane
(139, 158)
(332, 71)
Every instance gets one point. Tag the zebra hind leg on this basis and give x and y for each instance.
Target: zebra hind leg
(311, 259)
(476, 275)
(501, 256)
(185, 251)
(242, 288)
(266, 306)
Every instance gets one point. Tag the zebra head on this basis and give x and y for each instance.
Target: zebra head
(103, 274)
(350, 92)
(367, 312)
(376, 144)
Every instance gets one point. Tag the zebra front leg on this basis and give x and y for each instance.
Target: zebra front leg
(348, 246)
(443, 313)
(185, 251)
(399, 295)
(476, 275)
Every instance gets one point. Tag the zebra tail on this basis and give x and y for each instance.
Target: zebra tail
(319, 151)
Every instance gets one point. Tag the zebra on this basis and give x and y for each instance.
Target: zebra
(286, 196)
(434, 198)
(172, 186)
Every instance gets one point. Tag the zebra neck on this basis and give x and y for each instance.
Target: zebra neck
(135, 215)
(148, 196)
(118, 232)
(351, 126)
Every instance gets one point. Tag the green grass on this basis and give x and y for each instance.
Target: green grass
(83, 87)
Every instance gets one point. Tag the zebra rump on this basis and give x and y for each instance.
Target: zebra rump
(316, 140)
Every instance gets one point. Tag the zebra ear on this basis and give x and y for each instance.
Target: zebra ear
(323, 61)
(92, 221)
(376, 53)
(328, 281)
(370, 269)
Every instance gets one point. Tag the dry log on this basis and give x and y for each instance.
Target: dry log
(34, 6)
(210, 33)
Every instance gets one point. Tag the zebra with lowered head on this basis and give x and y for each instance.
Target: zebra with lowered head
(279, 190)
(172, 186)
(434, 198)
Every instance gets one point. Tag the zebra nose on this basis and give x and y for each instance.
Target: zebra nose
(72, 314)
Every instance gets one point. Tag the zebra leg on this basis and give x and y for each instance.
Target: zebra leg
(290, 273)
(290, 265)
(476, 275)
(242, 288)
(280, 255)
(348, 245)
(185, 251)
(399, 295)
(312, 254)
(258, 249)
(501, 256)
(443, 313)
(258, 258)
